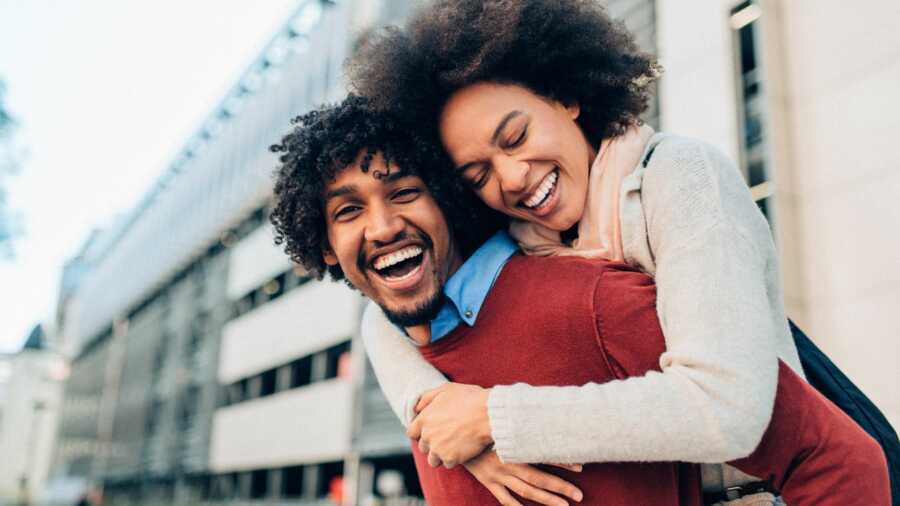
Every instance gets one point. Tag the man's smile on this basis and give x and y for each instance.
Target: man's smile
(400, 266)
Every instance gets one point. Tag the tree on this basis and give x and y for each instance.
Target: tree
(10, 161)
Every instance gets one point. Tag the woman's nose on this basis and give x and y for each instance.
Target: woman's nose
(512, 174)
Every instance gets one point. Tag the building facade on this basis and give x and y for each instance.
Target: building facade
(204, 366)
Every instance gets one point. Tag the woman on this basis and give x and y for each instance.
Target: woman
(537, 103)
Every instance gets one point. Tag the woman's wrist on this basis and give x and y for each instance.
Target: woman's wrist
(483, 431)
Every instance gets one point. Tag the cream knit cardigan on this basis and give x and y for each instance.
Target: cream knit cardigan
(689, 220)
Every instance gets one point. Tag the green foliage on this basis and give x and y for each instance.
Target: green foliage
(10, 162)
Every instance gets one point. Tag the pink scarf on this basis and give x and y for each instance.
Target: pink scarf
(599, 231)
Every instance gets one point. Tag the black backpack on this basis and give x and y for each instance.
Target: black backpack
(832, 383)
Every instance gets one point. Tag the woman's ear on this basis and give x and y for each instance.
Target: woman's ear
(574, 110)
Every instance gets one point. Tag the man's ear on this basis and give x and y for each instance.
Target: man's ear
(574, 110)
(328, 255)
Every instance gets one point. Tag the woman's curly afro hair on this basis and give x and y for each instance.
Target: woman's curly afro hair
(327, 140)
(567, 50)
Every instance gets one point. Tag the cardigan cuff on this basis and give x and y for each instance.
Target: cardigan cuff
(501, 419)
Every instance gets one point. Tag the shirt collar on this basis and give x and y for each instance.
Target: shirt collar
(469, 285)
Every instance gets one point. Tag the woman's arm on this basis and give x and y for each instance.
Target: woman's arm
(714, 397)
(387, 348)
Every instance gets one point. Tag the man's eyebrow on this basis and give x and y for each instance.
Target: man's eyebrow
(397, 174)
(506, 119)
(339, 191)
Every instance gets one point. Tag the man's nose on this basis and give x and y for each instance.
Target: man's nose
(383, 225)
(512, 174)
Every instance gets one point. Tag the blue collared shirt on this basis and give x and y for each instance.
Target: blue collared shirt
(467, 288)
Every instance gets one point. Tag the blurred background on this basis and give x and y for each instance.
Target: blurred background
(156, 348)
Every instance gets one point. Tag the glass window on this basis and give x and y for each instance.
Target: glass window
(751, 112)
(292, 482)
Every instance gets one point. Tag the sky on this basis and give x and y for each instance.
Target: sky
(105, 93)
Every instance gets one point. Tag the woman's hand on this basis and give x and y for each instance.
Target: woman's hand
(452, 424)
(527, 481)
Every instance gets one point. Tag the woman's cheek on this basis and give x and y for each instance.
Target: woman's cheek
(491, 196)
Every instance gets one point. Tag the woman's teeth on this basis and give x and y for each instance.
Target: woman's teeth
(385, 261)
(545, 188)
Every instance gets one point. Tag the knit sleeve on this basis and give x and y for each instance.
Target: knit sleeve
(713, 398)
(386, 346)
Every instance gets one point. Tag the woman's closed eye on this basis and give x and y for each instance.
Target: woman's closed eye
(476, 176)
(518, 138)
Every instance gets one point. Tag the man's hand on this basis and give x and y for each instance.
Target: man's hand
(452, 424)
(526, 481)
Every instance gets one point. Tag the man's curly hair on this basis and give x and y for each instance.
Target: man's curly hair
(567, 50)
(327, 140)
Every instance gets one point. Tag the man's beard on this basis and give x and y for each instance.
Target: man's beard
(423, 313)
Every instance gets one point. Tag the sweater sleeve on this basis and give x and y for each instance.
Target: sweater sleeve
(386, 347)
(713, 398)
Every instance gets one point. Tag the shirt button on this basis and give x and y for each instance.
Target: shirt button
(468, 313)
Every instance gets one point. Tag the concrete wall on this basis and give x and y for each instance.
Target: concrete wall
(303, 321)
(697, 91)
(839, 94)
(255, 260)
(300, 426)
(830, 74)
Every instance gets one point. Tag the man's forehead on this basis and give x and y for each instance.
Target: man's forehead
(353, 179)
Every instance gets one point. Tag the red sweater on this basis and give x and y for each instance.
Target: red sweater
(570, 321)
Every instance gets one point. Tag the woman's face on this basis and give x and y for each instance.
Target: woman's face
(523, 154)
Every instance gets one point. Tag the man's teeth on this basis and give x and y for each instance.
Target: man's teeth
(543, 190)
(396, 257)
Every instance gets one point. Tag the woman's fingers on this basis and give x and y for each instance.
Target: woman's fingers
(575, 468)
(503, 496)
(531, 492)
(547, 481)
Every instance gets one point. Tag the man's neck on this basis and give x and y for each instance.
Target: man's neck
(421, 334)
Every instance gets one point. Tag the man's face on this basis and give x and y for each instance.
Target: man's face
(391, 240)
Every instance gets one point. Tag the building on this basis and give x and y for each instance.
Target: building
(29, 406)
(204, 367)
(217, 372)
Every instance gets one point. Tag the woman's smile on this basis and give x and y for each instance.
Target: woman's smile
(523, 154)
(542, 201)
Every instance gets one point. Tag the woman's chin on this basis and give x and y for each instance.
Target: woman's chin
(562, 219)
(556, 225)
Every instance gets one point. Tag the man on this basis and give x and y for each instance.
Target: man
(368, 201)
